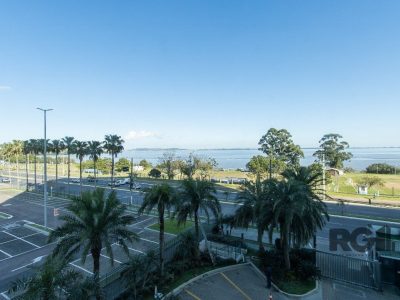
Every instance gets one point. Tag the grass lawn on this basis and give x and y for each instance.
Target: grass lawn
(5, 216)
(187, 275)
(296, 287)
(347, 184)
(172, 227)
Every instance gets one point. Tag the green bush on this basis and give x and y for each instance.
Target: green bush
(155, 173)
(381, 168)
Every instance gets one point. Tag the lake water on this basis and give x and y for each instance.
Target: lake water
(238, 158)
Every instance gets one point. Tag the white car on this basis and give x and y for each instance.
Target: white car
(75, 180)
(5, 180)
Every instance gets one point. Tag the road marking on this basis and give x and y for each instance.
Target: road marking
(136, 250)
(21, 239)
(79, 267)
(149, 241)
(167, 233)
(29, 235)
(133, 225)
(5, 296)
(235, 286)
(35, 260)
(5, 253)
(120, 262)
(191, 294)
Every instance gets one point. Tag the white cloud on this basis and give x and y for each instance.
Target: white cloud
(5, 88)
(135, 135)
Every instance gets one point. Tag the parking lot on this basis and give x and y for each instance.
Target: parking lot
(241, 282)
(22, 245)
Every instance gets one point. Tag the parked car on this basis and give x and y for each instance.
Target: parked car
(116, 183)
(91, 179)
(5, 180)
(75, 180)
(136, 186)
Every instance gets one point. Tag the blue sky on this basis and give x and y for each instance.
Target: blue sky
(200, 74)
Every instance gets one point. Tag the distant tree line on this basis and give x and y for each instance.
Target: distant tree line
(382, 168)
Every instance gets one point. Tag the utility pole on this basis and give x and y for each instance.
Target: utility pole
(45, 166)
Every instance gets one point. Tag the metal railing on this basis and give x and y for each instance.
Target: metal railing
(349, 269)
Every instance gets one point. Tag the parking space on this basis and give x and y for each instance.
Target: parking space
(15, 239)
(147, 241)
(22, 245)
(242, 282)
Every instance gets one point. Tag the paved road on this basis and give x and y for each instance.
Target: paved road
(123, 192)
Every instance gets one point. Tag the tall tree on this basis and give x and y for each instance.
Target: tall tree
(298, 207)
(333, 150)
(197, 195)
(52, 280)
(80, 150)
(69, 146)
(280, 149)
(16, 150)
(113, 145)
(57, 146)
(95, 220)
(163, 197)
(168, 164)
(258, 165)
(36, 147)
(27, 149)
(256, 208)
(95, 149)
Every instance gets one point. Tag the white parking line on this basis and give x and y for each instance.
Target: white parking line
(167, 233)
(136, 250)
(141, 221)
(79, 267)
(149, 241)
(5, 296)
(120, 262)
(5, 253)
(21, 239)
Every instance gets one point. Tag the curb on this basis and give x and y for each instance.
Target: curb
(178, 289)
(28, 224)
(282, 292)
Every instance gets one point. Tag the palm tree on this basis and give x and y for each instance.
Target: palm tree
(80, 150)
(68, 142)
(163, 197)
(96, 220)
(49, 281)
(256, 208)
(27, 149)
(36, 147)
(95, 150)
(197, 195)
(113, 146)
(138, 269)
(298, 207)
(57, 146)
(16, 148)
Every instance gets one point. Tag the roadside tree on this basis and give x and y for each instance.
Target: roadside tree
(280, 149)
(94, 221)
(333, 150)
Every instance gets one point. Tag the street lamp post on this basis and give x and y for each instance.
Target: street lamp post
(45, 165)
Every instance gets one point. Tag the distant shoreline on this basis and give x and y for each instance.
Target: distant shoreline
(246, 149)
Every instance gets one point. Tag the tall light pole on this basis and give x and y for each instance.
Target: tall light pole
(45, 164)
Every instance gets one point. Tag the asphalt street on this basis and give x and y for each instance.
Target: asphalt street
(32, 210)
